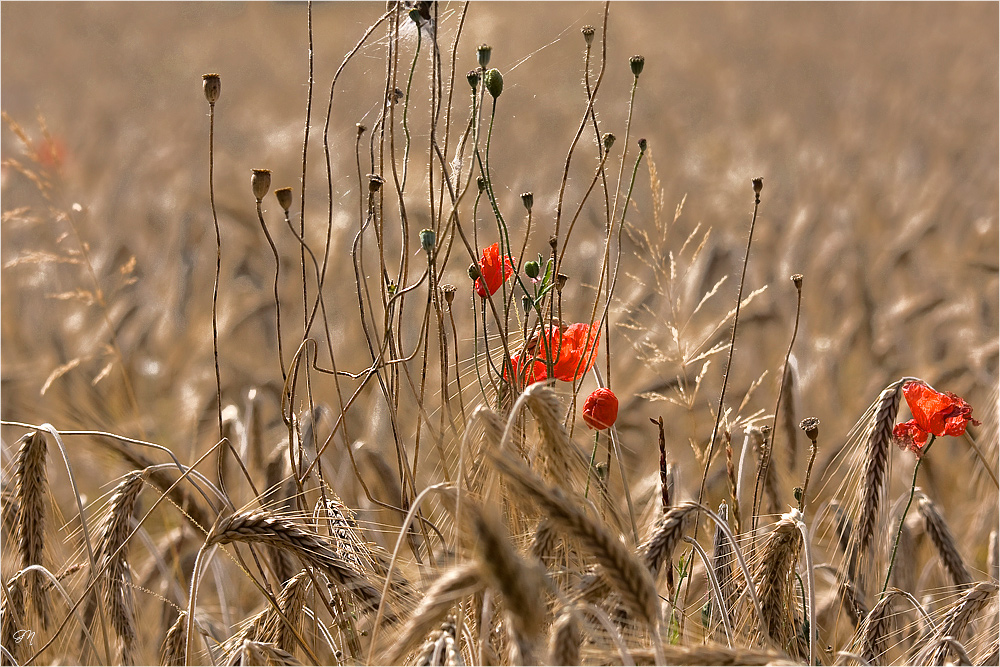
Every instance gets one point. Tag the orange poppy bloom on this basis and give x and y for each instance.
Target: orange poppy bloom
(600, 410)
(494, 272)
(934, 413)
(524, 373)
(573, 350)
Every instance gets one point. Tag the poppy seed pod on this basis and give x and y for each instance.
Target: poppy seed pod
(561, 279)
(473, 78)
(758, 185)
(212, 85)
(361, 129)
(811, 426)
(427, 239)
(449, 293)
(527, 303)
(642, 145)
(797, 279)
(531, 270)
(609, 141)
(260, 182)
(481, 183)
(636, 63)
(494, 82)
(483, 55)
(284, 196)
(600, 410)
(528, 199)
(588, 34)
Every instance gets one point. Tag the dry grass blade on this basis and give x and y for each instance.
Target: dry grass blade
(266, 528)
(453, 585)
(878, 438)
(937, 529)
(956, 619)
(31, 485)
(775, 578)
(624, 571)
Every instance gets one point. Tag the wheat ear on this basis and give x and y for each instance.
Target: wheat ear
(937, 529)
(956, 619)
(775, 578)
(31, 485)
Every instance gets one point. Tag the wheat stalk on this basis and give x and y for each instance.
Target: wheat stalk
(265, 527)
(775, 577)
(937, 529)
(31, 485)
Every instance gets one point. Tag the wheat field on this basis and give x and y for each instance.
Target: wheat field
(277, 278)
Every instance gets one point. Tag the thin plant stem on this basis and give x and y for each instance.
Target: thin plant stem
(902, 519)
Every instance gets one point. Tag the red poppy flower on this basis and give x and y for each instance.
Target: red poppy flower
(910, 436)
(600, 410)
(524, 373)
(494, 272)
(573, 350)
(934, 413)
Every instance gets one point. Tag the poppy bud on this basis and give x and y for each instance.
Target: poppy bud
(449, 293)
(375, 182)
(600, 410)
(588, 34)
(212, 85)
(609, 141)
(636, 63)
(397, 95)
(642, 145)
(481, 183)
(494, 82)
(811, 426)
(758, 185)
(260, 182)
(797, 279)
(427, 239)
(473, 78)
(284, 196)
(415, 16)
(474, 272)
(531, 270)
(528, 199)
(527, 303)
(483, 55)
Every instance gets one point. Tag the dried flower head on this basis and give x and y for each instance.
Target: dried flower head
(588, 34)
(449, 292)
(797, 280)
(284, 196)
(212, 85)
(260, 182)
(811, 426)
(636, 63)
(758, 185)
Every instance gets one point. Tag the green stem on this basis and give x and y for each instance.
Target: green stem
(593, 456)
(902, 519)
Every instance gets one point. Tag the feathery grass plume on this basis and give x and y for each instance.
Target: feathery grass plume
(267, 528)
(565, 641)
(521, 582)
(955, 621)
(937, 530)
(625, 573)
(172, 650)
(722, 564)
(441, 647)
(775, 578)
(659, 548)
(870, 638)
(112, 564)
(31, 484)
(878, 438)
(12, 620)
(458, 582)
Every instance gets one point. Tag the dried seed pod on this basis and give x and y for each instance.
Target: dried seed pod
(483, 55)
(212, 85)
(260, 182)
(636, 63)
(284, 196)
